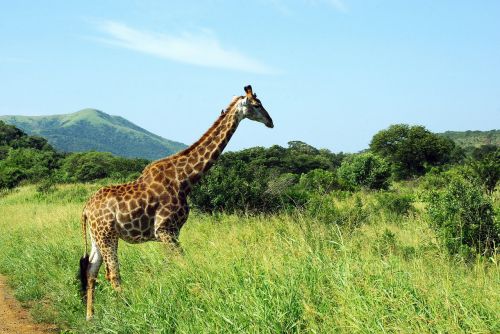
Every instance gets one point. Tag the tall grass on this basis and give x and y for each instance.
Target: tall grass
(267, 274)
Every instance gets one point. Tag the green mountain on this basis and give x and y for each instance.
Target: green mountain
(474, 138)
(91, 129)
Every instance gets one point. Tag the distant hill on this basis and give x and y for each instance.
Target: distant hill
(474, 138)
(91, 129)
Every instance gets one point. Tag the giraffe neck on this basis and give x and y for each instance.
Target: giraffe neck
(202, 155)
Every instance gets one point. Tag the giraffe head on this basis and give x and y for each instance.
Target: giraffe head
(250, 107)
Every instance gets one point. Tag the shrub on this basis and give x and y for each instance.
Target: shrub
(46, 186)
(364, 171)
(10, 177)
(393, 203)
(463, 215)
(26, 164)
(388, 244)
(434, 179)
(285, 192)
(331, 210)
(91, 166)
(235, 189)
(411, 149)
(319, 180)
(487, 169)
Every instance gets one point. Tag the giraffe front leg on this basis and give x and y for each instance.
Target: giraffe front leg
(167, 229)
(170, 240)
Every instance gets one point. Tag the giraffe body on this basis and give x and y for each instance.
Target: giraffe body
(154, 207)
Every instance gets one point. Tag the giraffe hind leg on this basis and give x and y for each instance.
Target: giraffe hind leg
(109, 251)
(94, 263)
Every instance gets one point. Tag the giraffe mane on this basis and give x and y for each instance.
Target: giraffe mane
(215, 125)
(205, 135)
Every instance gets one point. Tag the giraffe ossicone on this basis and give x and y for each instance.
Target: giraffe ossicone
(154, 207)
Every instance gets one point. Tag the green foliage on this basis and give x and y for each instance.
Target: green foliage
(337, 208)
(394, 203)
(86, 167)
(435, 179)
(487, 169)
(90, 166)
(474, 138)
(464, 217)
(23, 157)
(32, 159)
(478, 153)
(230, 189)
(9, 134)
(266, 180)
(47, 186)
(10, 177)
(297, 158)
(411, 149)
(319, 180)
(388, 245)
(364, 170)
(286, 193)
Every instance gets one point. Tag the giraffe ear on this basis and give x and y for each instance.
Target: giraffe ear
(248, 90)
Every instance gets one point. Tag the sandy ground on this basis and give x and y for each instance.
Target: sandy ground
(13, 318)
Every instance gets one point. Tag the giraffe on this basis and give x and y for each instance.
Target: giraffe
(154, 207)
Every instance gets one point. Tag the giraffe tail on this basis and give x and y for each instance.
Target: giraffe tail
(84, 261)
(84, 264)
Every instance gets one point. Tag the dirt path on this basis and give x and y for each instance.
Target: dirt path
(13, 318)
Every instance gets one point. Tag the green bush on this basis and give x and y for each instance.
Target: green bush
(26, 164)
(464, 217)
(235, 189)
(319, 180)
(10, 177)
(50, 193)
(91, 166)
(284, 190)
(335, 209)
(411, 150)
(393, 203)
(487, 169)
(364, 170)
(47, 186)
(388, 244)
(266, 180)
(434, 179)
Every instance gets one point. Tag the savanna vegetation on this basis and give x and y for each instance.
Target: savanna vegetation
(400, 238)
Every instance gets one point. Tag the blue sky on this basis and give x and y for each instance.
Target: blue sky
(330, 72)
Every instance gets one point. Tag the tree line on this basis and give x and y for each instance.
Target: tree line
(258, 178)
(29, 159)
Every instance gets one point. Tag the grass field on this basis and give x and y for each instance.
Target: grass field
(277, 274)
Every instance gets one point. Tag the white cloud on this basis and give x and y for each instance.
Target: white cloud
(202, 48)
